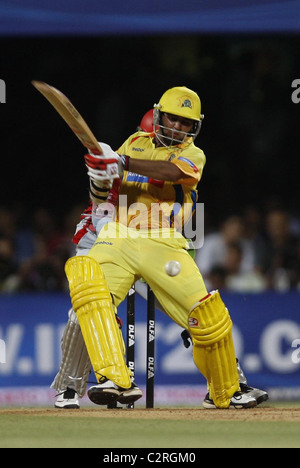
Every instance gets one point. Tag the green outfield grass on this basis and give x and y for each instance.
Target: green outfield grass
(134, 429)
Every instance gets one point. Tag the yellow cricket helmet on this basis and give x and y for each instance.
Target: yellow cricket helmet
(181, 101)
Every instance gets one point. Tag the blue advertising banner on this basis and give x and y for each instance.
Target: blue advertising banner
(74, 17)
(266, 335)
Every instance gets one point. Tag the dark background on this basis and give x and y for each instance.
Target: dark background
(250, 133)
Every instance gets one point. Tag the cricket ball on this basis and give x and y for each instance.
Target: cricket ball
(172, 268)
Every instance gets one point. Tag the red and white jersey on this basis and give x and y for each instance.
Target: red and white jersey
(85, 225)
(86, 230)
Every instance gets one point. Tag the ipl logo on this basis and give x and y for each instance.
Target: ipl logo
(2, 92)
(2, 352)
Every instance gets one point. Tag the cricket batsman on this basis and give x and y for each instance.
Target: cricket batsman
(159, 173)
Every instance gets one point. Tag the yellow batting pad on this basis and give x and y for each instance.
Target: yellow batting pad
(93, 305)
(210, 326)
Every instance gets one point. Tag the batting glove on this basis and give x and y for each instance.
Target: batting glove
(107, 166)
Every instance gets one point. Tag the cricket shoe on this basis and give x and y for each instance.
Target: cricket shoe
(260, 395)
(68, 399)
(238, 401)
(130, 395)
(109, 393)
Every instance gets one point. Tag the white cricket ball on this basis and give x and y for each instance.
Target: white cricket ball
(172, 268)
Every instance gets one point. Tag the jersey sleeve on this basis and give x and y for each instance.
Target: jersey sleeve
(192, 165)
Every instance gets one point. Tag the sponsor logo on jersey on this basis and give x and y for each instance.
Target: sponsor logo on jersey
(103, 242)
(140, 150)
(133, 177)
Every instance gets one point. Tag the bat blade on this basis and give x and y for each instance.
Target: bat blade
(70, 115)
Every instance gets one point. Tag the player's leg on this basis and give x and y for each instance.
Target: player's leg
(95, 310)
(108, 393)
(75, 367)
(208, 322)
(259, 395)
(211, 329)
(70, 381)
(117, 260)
(92, 302)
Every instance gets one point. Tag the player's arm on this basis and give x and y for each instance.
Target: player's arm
(111, 164)
(159, 170)
(104, 186)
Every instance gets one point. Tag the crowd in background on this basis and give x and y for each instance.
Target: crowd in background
(34, 249)
(253, 252)
(250, 252)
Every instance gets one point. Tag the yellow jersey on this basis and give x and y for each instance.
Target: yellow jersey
(146, 203)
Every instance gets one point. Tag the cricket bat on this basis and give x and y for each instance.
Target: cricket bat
(69, 113)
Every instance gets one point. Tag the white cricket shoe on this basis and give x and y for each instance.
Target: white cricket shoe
(238, 401)
(68, 399)
(129, 395)
(260, 395)
(104, 394)
(109, 393)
